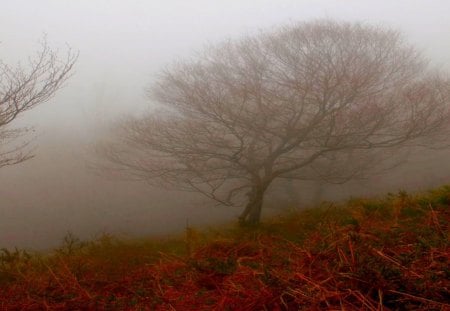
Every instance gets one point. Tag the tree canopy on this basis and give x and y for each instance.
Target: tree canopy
(313, 100)
(24, 87)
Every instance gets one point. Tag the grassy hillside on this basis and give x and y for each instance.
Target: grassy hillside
(379, 254)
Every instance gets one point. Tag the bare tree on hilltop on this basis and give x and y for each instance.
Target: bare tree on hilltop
(312, 101)
(23, 88)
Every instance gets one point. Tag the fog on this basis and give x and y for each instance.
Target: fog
(123, 45)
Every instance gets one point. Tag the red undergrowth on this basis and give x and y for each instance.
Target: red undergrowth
(389, 255)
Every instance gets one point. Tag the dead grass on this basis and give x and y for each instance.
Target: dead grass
(385, 254)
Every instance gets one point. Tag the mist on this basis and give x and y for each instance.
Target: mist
(123, 46)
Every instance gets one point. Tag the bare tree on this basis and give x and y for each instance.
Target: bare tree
(23, 88)
(311, 101)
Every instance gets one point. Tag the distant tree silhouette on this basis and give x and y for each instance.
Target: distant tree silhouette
(312, 101)
(23, 88)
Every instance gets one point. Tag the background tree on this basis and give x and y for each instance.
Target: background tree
(23, 88)
(315, 100)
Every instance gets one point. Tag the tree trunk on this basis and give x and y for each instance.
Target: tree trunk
(254, 216)
(252, 212)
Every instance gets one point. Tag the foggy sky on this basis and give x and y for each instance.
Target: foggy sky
(123, 45)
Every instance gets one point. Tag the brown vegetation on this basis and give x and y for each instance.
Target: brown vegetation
(382, 254)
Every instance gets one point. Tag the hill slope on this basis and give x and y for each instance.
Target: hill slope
(381, 254)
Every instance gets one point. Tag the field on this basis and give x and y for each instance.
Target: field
(390, 253)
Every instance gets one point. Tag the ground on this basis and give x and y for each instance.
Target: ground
(390, 253)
